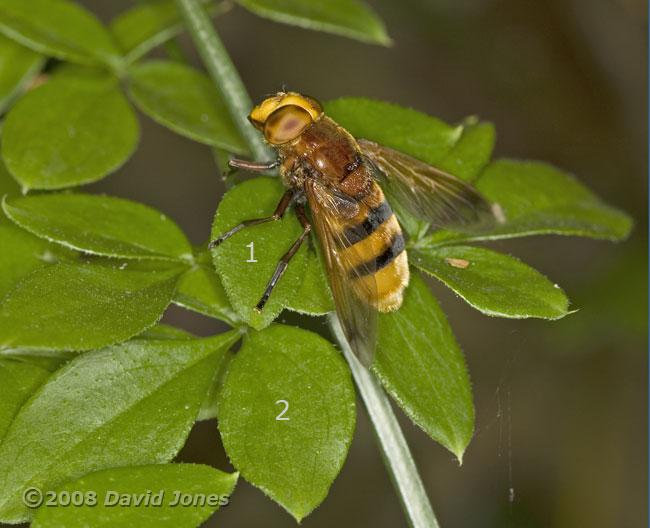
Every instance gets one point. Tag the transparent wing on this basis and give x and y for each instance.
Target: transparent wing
(428, 193)
(352, 285)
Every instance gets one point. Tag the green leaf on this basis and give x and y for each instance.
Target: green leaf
(462, 150)
(315, 295)
(421, 366)
(102, 225)
(349, 18)
(59, 28)
(208, 409)
(147, 25)
(17, 66)
(538, 199)
(8, 187)
(128, 404)
(493, 283)
(244, 281)
(18, 381)
(163, 331)
(469, 156)
(186, 101)
(160, 486)
(69, 131)
(293, 460)
(210, 404)
(200, 289)
(21, 254)
(408, 131)
(50, 361)
(83, 306)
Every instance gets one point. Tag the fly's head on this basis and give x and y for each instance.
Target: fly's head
(283, 117)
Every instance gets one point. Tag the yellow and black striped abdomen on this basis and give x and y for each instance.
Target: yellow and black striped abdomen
(377, 252)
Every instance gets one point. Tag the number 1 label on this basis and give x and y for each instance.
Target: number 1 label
(252, 259)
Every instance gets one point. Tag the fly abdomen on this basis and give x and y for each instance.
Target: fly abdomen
(376, 216)
(375, 256)
(392, 251)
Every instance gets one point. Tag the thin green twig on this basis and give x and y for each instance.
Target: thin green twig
(391, 440)
(223, 73)
(394, 449)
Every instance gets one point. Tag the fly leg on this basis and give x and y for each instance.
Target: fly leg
(279, 211)
(253, 165)
(229, 176)
(284, 261)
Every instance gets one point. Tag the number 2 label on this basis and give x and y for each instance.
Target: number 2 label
(286, 408)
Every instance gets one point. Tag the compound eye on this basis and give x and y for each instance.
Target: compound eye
(286, 124)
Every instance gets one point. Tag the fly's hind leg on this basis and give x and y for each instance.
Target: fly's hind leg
(284, 261)
(279, 211)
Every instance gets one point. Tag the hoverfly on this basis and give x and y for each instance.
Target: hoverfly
(362, 243)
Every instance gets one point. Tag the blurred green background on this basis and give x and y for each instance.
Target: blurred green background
(561, 432)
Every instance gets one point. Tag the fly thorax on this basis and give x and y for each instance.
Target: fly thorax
(295, 170)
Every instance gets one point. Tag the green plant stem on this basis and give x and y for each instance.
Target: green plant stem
(394, 449)
(223, 73)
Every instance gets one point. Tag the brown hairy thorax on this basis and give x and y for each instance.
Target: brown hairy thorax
(325, 150)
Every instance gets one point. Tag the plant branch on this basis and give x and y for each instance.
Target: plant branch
(223, 73)
(394, 449)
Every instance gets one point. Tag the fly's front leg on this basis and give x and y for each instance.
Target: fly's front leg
(253, 165)
(284, 261)
(229, 176)
(279, 211)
